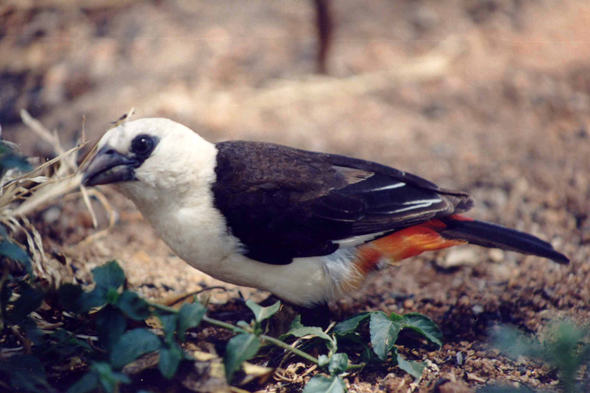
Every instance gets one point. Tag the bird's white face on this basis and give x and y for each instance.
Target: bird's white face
(147, 158)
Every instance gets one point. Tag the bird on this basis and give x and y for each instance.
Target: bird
(308, 227)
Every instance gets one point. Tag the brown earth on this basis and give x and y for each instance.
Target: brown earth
(490, 96)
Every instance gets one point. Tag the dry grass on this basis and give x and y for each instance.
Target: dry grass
(23, 195)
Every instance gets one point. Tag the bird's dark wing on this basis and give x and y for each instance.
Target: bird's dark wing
(284, 203)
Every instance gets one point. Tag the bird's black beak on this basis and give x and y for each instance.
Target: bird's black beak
(109, 166)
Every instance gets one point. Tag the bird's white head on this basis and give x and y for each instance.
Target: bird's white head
(150, 158)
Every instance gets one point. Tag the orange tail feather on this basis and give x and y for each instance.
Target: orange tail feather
(403, 244)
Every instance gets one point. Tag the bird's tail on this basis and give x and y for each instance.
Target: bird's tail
(484, 234)
(448, 232)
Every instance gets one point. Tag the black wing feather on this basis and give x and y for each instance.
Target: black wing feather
(284, 203)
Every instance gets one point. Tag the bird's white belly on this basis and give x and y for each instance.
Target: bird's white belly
(304, 281)
(301, 282)
(200, 237)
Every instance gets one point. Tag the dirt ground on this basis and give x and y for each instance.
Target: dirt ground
(488, 96)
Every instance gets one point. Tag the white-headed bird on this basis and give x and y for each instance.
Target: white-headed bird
(307, 227)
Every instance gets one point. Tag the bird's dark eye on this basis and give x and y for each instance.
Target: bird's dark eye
(143, 145)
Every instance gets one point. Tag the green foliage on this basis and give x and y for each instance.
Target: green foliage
(422, 325)
(25, 373)
(108, 278)
(30, 299)
(384, 331)
(64, 345)
(169, 322)
(298, 330)
(566, 348)
(16, 313)
(351, 324)
(101, 376)
(132, 345)
(133, 306)
(384, 334)
(170, 357)
(12, 251)
(338, 364)
(239, 349)
(263, 313)
(321, 384)
(110, 326)
(11, 160)
(415, 369)
(189, 316)
(110, 311)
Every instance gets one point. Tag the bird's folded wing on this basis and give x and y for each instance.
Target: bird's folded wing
(283, 203)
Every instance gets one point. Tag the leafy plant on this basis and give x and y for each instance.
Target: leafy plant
(11, 160)
(566, 348)
(384, 331)
(113, 312)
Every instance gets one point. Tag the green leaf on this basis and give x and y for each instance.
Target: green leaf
(239, 349)
(169, 324)
(262, 313)
(134, 306)
(89, 300)
(14, 252)
(26, 373)
(424, 326)
(73, 298)
(10, 160)
(298, 330)
(108, 279)
(415, 369)
(170, 357)
(88, 383)
(69, 297)
(384, 333)
(108, 379)
(351, 324)
(30, 299)
(109, 275)
(321, 384)
(323, 360)
(110, 326)
(189, 316)
(514, 343)
(63, 344)
(397, 318)
(112, 296)
(338, 363)
(366, 353)
(565, 347)
(132, 345)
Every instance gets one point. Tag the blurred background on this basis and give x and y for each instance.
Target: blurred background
(438, 87)
(488, 96)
